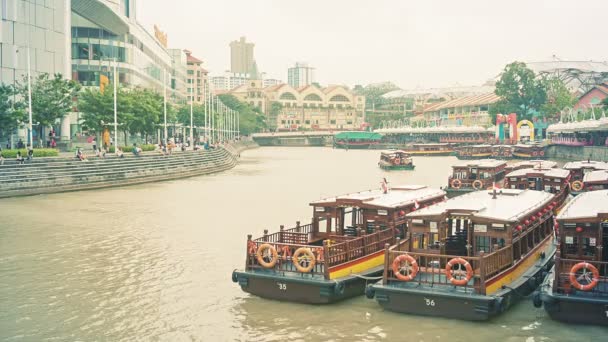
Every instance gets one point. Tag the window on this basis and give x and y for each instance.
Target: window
(4, 10)
(482, 243)
(287, 96)
(312, 97)
(80, 51)
(339, 98)
(307, 122)
(190, 72)
(333, 122)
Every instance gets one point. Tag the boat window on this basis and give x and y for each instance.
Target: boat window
(548, 188)
(482, 243)
(418, 240)
(589, 246)
(571, 244)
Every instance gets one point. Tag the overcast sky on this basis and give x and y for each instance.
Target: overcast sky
(423, 43)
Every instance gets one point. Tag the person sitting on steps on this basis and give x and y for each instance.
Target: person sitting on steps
(119, 152)
(20, 159)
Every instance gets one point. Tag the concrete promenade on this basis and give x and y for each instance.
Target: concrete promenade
(60, 174)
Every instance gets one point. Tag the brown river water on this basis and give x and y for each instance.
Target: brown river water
(153, 262)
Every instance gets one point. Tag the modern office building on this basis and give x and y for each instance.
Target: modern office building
(241, 56)
(300, 75)
(228, 80)
(197, 79)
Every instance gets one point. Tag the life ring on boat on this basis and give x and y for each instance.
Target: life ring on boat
(477, 184)
(534, 153)
(456, 183)
(412, 270)
(397, 161)
(251, 247)
(506, 153)
(286, 251)
(449, 272)
(592, 283)
(262, 253)
(303, 254)
(577, 185)
(495, 154)
(541, 153)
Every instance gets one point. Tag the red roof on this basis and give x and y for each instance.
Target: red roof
(192, 59)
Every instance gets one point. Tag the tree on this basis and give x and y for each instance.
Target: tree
(144, 112)
(251, 118)
(558, 96)
(96, 107)
(605, 102)
(11, 111)
(52, 98)
(520, 90)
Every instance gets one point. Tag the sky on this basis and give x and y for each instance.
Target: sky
(423, 43)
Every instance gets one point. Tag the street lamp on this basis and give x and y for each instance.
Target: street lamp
(165, 101)
(29, 93)
(115, 81)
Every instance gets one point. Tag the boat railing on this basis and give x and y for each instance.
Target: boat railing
(495, 262)
(300, 234)
(284, 258)
(468, 183)
(564, 274)
(431, 268)
(358, 247)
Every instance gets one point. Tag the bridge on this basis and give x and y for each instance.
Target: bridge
(295, 138)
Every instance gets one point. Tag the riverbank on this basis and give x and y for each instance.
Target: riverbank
(61, 174)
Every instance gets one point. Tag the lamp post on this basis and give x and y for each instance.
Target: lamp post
(165, 102)
(191, 120)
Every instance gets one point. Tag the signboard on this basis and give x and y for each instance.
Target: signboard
(569, 240)
(480, 228)
(498, 226)
(382, 212)
(160, 36)
(592, 242)
(418, 221)
(320, 209)
(433, 226)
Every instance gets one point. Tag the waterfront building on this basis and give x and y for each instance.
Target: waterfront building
(593, 97)
(241, 56)
(467, 111)
(197, 78)
(300, 75)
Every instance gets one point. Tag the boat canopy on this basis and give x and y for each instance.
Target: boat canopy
(481, 163)
(358, 135)
(510, 205)
(389, 152)
(587, 205)
(587, 164)
(596, 176)
(549, 173)
(525, 164)
(397, 196)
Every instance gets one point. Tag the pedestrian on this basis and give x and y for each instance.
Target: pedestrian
(53, 143)
(1, 158)
(20, 144)
(30, 154)
(20, 159)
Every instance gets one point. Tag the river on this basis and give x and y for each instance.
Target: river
(153, 262)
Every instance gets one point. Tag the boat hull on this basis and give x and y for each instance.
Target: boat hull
(430, 153)
(455, 303)
(476, 156)
(397, 167)
(572, 309)
(300, 289)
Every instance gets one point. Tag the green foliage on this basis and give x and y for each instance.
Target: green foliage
(520, 90)
(273, 114)
(97, 107)
(373, 93)
(251, 119)
(605, 102)
(52, 97)
(11, 112)
(558, 96)
(198, 115)
(125, 149)
(38, 152)
(144, 109)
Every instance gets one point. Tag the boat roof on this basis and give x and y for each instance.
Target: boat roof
(544, 164)
(509, 205)
(393, 152)
(596, 176)
(358, 135)
(548, 172)
(586, 164)
(527, 146)
(432, 144)
(483, 163)
(480, 145)
(397, 196)
(585, 205)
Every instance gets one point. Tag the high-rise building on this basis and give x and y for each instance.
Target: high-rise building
(241, 56)
(300, 75)
(229, 80)
(197, 79)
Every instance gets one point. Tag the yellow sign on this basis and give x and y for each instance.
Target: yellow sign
(106, 137)
(103, 81)
(530, 124)
(161, 36)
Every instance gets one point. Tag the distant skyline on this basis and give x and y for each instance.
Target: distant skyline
(413, 44)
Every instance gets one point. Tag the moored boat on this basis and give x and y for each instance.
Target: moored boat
(576, 288)
(527, 164)
(395, 160)
(595, 180)
(431, 149)
(471, 257)
(578, 169)
(475, 175)
(474, 151)
(551, 180)
(330, 259)
(533, 151)
(357, 140)
(502, 151)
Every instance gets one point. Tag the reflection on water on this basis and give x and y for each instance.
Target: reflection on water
(153, 262)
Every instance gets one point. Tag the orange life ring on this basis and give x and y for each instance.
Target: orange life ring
(286, 251)
(261, 254)
(449, 272)
(251, 247)
(456, 183)
(397, 161)
(592, 283)
(477, 184)
(303, 254)
(577, 185)
(534, 153)
(541, 153)
(506, 154)
(412, 270)
(495, 154)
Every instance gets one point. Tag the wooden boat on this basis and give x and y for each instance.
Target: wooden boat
(578, 170)
(395, 160)
(471, 257)
(357, 140)
(595, 180)
(551, 180)
(475, 175)
(528, 151)
(576, 288)
(434, 149)
(527, 164)
(329, 259)
(474, 151)
(502, 151)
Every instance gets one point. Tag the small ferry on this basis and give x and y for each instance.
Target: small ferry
(502, 151)
(474, 151)
(551, 180)
(528, 164)
(471, 257)
(432, 149)
(533, 151)
(475, 175)
(330, 259)
(595, 180)
(578, 169)
(576, 288)
(357, 140)
(395, 160)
